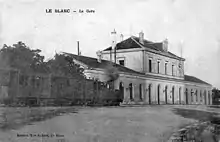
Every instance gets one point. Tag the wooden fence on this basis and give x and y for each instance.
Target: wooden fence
(47, 89)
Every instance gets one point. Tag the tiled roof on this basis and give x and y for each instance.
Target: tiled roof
(125, 44)
(194, 79)
(93, 62)
(133, 42)
(187, 78)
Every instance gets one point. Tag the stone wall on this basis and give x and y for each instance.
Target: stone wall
(133, 58)
(158, 91)
(177, 73)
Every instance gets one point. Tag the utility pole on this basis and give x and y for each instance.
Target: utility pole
(111, 54)
(181, 55)
(181, 51)
(114, 50)
(115, 54)
(18, 73)
(131, 29)
(181, 48)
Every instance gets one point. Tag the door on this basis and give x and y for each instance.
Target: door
(166, 94)
(173, 95)
(149, 93)
(158, 94)
(121, 92)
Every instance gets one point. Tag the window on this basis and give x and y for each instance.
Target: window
(180, 66)
(158, 66)
(196, 96)
(209, 96)
(180, 95)
(186, 92)
(172, 70)
(149, 93)
(150, 65)
(200, 96)
(131, 91)
(122, 62)
(158, 94)
(173, 91)
(166, 68)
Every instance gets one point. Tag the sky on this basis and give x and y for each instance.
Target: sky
(190, 24)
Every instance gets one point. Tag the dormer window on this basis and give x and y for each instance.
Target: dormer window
(122, 62)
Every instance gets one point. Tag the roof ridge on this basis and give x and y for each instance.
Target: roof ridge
(147, 40)
(105, 62)
(154, 42)
(86, 56)
(152, 46)
(137, 42)
(147, 43)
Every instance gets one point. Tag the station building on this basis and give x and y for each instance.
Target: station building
(146, 73)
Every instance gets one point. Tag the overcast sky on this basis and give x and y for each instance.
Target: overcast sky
(192, 24)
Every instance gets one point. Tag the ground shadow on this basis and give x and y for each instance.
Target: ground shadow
(197, 133)
(198, 115)
(19, 121)
(214, 106)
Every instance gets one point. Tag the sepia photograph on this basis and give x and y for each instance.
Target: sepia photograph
(109, 71)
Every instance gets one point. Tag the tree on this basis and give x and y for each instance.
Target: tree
(21, 57)
(30, 63)
(111, 71)
(216, 96)
(63, 65)
(65, 71)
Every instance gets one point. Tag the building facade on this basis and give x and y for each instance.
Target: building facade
(146, 73)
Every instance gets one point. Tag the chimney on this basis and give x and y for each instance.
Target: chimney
(122, 37)
(165, 45)
(141, 37)
(113, 34)
(99, 56)
(78, 48)
(114, 43)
